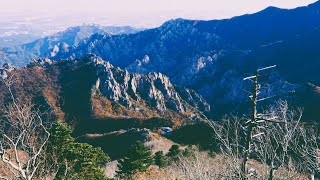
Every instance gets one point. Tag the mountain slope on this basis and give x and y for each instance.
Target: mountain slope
(100, 97)
(212, 57)
(177, 39)
(165, 44)
(72, 36)
(21, 55)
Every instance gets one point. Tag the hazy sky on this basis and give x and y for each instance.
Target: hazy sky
(139, 13)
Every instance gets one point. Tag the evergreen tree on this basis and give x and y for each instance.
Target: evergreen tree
(174, 152)
(189, 151)
(73, 160)
(160, 159)
(137, 159)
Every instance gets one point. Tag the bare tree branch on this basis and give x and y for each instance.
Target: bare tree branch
(23, 135)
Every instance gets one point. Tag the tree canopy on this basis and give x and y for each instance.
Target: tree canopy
(68, 159)
(137, 159)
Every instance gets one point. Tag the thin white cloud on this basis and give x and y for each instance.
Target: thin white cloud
(135, 12)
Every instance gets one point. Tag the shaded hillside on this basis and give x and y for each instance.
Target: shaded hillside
(109, 142)
(97, 97)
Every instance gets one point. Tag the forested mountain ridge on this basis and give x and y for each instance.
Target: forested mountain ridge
(21, 55)
(213, 56)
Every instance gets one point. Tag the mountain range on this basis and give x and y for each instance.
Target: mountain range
(213, 56)
(21, 55)
(171, 87)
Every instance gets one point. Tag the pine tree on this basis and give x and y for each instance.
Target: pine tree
(137, 159)
(174, 152)
(160, 159)
(73, 160)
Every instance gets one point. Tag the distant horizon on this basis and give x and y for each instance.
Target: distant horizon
(42, 18)
(138, 13)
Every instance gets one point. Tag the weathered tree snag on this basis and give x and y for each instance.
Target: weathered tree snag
(23, 136)
(252, 122)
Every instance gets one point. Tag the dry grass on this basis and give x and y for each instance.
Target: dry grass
(158, 143)
(206, 168)
(7, 172)
(110, 170)
(35, 85)
(103, 108)
(153, 173)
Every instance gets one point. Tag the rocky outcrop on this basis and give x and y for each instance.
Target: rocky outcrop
(44, 62)
(135, 91)
(193, 98)
(60, 47)
(6, 68)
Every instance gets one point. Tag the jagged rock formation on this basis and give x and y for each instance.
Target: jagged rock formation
(45, 62)
(153, 89)
(60, 47)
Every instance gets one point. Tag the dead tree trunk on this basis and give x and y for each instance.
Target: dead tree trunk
(252, 122)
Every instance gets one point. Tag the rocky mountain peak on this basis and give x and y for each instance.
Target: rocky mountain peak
(141, 91)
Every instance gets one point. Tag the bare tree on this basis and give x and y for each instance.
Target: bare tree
(244, 131)
(273, 146)
(290, 144)
(199, 166)
(229, 135)
(255, 120)
(275, 137)
(202, 166)
(23, 136)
